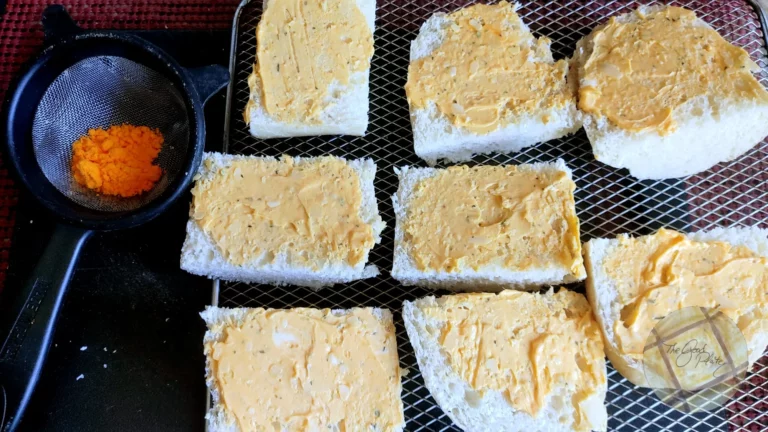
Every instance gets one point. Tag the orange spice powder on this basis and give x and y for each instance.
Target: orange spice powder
(118, 161)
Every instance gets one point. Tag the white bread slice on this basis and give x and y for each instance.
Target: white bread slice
(347, 111)
(603, 295)
(200, 256)
(487, 278)
(218, 418)
(436, 137)
(491, 412)
(707, 133)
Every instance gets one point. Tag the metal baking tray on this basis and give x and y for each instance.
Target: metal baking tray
(608, 201)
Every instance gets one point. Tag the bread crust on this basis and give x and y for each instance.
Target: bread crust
(628, 367)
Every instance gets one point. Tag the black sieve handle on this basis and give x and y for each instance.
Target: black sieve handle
(28, 324)
(58, 25)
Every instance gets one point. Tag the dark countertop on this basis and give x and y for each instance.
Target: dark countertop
(130, 304)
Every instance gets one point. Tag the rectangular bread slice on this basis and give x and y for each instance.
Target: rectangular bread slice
(536, 238)
(707, 128)
(345, 106)
(281, 265)
(513, 361)
(604, 288)
(302, 369)
(550, 112)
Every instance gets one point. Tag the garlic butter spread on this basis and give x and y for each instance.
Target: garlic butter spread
(524, 345)
(507, 216)
(660, 273)
(306, 48)
(638, 73)
(488, 70)
(257, 209)
(308, 370)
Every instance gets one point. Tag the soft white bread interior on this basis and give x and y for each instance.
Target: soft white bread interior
(200, 256)
(347, 105)
(493, 277)
(436, 137)
(218, 320)
(603, 294)
(490, 410)
(709, 129)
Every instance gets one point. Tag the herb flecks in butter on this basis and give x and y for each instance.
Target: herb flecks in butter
(639, 73)
(664, 272)
(514, 217)
(308, 369)
(488, 71)
(525, 346)
(256, 210)
(306, 49)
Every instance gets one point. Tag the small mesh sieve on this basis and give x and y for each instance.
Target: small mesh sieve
(99, 92)
(84, 80)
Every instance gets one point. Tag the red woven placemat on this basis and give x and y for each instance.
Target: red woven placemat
(21, 35)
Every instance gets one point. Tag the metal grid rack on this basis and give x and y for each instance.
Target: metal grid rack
(608, 201)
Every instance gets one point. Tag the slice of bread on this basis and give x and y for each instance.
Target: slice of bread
(709, 129)
(219, 321)
(488, 409)
(493, 276)
(435, 136)
(201, 256)
(346, 111)
(603, 293)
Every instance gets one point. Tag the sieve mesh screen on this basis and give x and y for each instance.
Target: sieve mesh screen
(100, 92)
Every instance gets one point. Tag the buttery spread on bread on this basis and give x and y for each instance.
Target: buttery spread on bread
(488, 70)
(523, 345)
(508, 216)
(305, 50)
(255, 209)
(308, 370)
(664, 272)
(639, 72)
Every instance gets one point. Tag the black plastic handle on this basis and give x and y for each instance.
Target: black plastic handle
(208, 80)
(28, 328)
(58, 25)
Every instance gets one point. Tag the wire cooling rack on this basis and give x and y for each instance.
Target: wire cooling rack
(608, 201)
